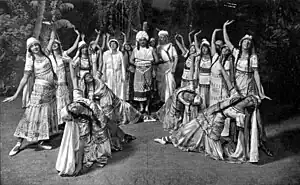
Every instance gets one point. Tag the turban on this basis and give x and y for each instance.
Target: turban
(142, 34)
(248, 37)
(163, 33)
(31, 41)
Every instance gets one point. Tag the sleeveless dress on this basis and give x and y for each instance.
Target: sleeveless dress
(143, 73)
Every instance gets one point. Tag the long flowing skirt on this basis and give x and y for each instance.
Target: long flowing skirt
(39, 121)
(203, 91)
(63, 99)
(123, 113)
(165, 81)
(191, 137)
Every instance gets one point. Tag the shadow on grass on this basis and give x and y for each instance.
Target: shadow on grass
(284, 144)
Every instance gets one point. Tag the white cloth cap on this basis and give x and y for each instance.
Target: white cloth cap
(204, 42)
(31, 41)
(163, 33)
(142, 34)
(249, 37)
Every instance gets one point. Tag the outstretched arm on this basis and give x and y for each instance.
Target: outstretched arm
(97, 39)
(71, 49)
(213, 40)
(107, 40)
(103, 42)
(190, 37)
(196, 41)
(181, 46)
(225, 35)
(51, 41)
(125, 40)
(20, 87)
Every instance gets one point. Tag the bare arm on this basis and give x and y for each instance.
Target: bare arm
(97, 38)
(50, 43)
(226, 77)
(259, 87)
(225, 35)
(190, 37)
(73, 75)
(71, 49)
(181, 46)
(103, 42)
(213, 40)
(125, 40)
(107, 40)
(196, 41)
(23, 81)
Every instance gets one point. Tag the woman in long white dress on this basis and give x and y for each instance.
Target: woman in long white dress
(113, 69)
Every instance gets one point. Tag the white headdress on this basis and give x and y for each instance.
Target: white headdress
(204, 42)
(163, 33)
(31, 41)
(248, 37)
(142, 34)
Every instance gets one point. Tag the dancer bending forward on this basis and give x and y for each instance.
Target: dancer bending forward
(89, 137)
(203, 134)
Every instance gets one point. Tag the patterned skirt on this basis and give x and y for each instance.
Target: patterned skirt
(39, 121)
(142, 83)
(62, 93)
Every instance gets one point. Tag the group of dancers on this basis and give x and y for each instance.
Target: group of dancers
(215, 110)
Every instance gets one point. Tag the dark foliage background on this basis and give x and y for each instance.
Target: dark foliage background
(275, 25)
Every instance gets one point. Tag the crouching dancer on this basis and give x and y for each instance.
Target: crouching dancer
(88, 138)
(203, 134)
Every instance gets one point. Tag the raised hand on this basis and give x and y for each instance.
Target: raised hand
(98, 32)
(82, 36)
(200, 31)
(228, 22)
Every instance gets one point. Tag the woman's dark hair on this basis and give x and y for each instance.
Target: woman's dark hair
(43, 53)
(86, 89)
(240, 54)
(201, 54)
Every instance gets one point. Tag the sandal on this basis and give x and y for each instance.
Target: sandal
(15, 149)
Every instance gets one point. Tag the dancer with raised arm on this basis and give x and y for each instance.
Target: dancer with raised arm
(61, 58)
(202, 69)
(189, 65)
(247, 80)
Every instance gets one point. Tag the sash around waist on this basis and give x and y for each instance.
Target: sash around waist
(43, 82)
